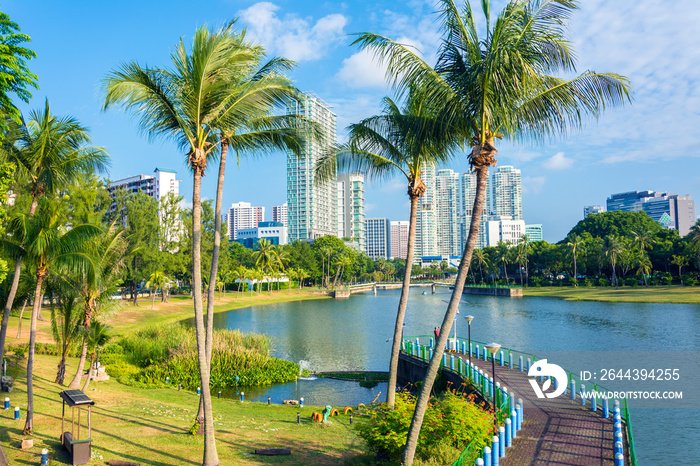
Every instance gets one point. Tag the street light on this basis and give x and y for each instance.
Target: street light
(469, 319)
(455, 324)
(493, 349)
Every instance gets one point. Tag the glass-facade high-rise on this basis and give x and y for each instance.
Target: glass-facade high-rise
(426, 226)
(311, 206)
(447, 208)
(506, 193)
(670, 210)
(378, 237)
(351, 208)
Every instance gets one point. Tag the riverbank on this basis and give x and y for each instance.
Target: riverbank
(655, 294)
(150, 427)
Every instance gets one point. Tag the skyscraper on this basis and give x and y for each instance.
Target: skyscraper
(534, 232)
(377, 237)
(279, 214)
(670, 210)
(243, 215)
(311, 206)
(351, 208)
(592, 209)
(447, 209)
(399, 239)
(507, 195)
(426, 226)
(468, 193)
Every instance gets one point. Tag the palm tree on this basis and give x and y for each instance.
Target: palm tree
(503, 256)
(612, 248)
(521, 260)
(301, 274)
(524, 241)
(398, 141)
(227, 277)
(680, 261)
(644, 268)
(240, 273)
(96, 282)
(65, 326)
(482, 260)
(575, 244)
(189, 103)
(157, 280)
(500, 85)
(50, 153)
(96, 338)
(48, 246)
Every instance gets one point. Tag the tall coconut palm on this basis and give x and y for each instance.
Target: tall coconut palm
(576, 245)
(157, 280)
(189, 103)
(48, 246)
(96, 337)
(498, 85)
(400, 141)
(612, 248)
(96, 283)
(65, 325)
(482, 260)
(524, 242)
(50, 152)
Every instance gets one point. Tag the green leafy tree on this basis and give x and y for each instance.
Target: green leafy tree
(15, 77)
(50, 153)
(502, 84)
(65, 326)
(97, 336)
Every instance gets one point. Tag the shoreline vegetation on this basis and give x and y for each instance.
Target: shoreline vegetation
(655, 294)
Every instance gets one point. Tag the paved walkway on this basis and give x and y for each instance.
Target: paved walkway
(555, 431)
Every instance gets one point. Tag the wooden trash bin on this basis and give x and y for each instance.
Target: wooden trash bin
(79, 449)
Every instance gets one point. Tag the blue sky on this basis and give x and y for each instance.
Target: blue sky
(652, 144)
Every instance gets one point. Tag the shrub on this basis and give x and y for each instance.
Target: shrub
(633, 282)
(603, 282)
(451, 422)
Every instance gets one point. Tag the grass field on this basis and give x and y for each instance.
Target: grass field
(150, 427)
(656, 294)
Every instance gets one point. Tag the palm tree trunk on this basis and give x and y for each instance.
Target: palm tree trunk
(61, 372)
(29, 424)
(211, 457)
(75, 383)
(434, 365)
(403, 302)
(89, 376)
(8, 307)
(575, 271)
(21, 313)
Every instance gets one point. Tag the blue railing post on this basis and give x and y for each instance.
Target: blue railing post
(594, 403)
(619, 460)
(572, 390)
(510, 360)
(452, 361)
(514, 423)
(606, 410)
(509, 432)
(431, 352)
(477, 351)
(479, 462)
(583, 398)
(501, 358)
(529, 363)
(444, 360)
(464, 347)
(487, 456)
(495, 450)
(521, 363)
(485, 353)
(471, 352)
(520, 413)
(432, 345)
(501, 441)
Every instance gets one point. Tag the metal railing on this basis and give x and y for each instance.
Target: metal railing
(421, 345)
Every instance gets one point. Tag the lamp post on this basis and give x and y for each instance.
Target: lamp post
(469, 319)
(493, 349)
(455, 324)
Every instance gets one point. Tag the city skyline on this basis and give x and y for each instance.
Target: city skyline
(625, 150)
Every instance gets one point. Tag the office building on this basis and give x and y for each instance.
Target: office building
(241, 216)
(426, 221)
(311, 206)
(447, 212)
(498, 228)
(351, 208)
(592, 209)
(156, 186)
(274, 232)
(534, 232)
(506, 193)
(279, 214)
(670, 210)
(468, 194)
(377, 237)
(399, 239)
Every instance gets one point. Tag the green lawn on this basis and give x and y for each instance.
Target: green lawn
(655, 294)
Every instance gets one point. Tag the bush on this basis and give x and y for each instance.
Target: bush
(588, 282)
(603, 282)
(633, 282)
(450, 424)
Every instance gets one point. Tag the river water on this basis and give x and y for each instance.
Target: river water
(355, 334)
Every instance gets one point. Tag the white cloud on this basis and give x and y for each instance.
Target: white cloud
(558, 162)
(361, 70)
(291, 36)
(533, 184)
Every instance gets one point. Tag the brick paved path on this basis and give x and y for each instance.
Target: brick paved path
(555, 431)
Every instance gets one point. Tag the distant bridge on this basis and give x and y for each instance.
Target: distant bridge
(346, 292)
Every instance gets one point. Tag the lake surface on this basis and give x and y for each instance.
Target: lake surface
(355, 334)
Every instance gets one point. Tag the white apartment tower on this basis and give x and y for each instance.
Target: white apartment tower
(311, 206)
(507, 194)
(447, 208)
(242, 215)
(378, 237)
(351, 208)
(279, 214)
(399, 239)
(426, 221)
